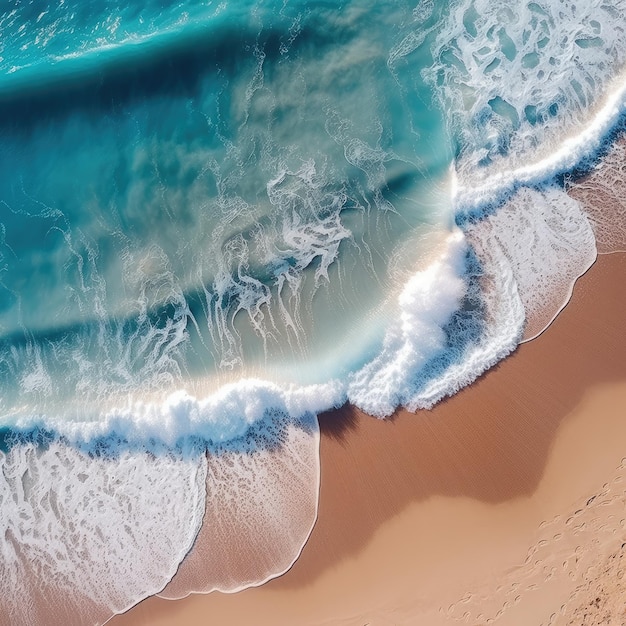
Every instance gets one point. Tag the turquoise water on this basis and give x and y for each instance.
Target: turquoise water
(219, 219)
(191, 193)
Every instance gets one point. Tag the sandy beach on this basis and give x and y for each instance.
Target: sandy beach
(505, 503)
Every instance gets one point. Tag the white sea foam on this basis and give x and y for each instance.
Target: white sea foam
(518, 78)
(489, 330)
(565, 156)
(105, 524)
(226, 415)
(534, 90)
(426, 303)
(84, 536)
(548, 243)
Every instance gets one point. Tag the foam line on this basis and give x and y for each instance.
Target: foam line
(224, 416)
(570, 153)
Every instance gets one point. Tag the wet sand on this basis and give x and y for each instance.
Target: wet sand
(506, 502)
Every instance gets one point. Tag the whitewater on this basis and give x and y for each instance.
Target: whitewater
(219, 220)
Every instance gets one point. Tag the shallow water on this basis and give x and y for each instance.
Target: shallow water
(219, 220)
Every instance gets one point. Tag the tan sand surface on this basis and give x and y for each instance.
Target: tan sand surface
(505, 503)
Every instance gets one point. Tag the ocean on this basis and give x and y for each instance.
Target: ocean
(220, 219)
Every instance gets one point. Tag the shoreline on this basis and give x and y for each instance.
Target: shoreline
(418, 512)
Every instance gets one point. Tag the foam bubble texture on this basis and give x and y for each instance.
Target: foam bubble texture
(517, 77)
(85, 537)
(549, 243)
(261, 506)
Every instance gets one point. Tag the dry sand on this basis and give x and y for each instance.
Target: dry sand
(506, 502)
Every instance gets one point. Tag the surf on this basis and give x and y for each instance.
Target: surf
(215, 229)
